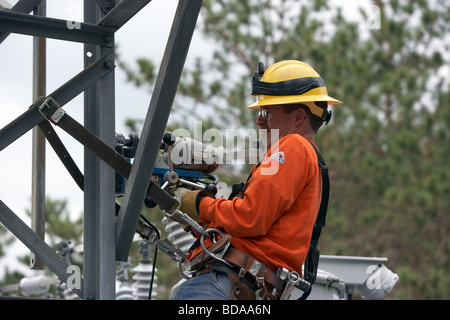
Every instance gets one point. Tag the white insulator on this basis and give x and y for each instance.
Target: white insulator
(142, 285)
(141, 289)
(68, 293)
(33, 285)
(184, 244)
(144, 268)
(124, 291)
(170, 224)
(123, 286)
(180, 238)
(177, 231)
(143, 275)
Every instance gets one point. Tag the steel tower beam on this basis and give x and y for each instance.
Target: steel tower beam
(38, 143)
(23, 6)
(55, 28)
(36, 244)
(99, 178)
(155, 123)
(107, 239)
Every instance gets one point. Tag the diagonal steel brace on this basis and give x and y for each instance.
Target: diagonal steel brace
(37, 245)
(32, 117)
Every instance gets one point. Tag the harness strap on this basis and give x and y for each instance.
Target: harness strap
(321, 217)
(245, 270)
(312, 257)
(253, 267)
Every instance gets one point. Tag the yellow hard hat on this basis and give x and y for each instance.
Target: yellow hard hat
(289, 82)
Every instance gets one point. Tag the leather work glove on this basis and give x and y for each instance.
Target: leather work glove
(190, 200)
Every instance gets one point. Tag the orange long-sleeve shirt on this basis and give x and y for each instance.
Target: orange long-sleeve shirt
(273, 221)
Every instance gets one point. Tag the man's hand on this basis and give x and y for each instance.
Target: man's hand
(188, 198)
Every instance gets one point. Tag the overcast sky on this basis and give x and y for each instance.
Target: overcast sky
(145, 35)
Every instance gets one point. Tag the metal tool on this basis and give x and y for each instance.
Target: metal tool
(292, 279)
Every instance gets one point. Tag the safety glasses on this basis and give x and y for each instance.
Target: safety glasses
(264, 113)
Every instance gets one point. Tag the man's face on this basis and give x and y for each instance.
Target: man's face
(277, 123)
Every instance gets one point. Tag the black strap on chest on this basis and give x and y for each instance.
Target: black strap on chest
(312, 257)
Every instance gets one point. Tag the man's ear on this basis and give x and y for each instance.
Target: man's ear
(300, 114)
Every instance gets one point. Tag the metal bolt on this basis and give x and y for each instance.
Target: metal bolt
(108, 64)
(107, 38)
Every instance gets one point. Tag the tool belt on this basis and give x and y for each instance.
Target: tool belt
(251, 279)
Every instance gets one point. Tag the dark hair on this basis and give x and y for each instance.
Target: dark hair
(315, 121)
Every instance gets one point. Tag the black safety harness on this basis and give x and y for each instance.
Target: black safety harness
(312, 257)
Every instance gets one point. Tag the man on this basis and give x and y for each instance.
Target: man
(269, 223)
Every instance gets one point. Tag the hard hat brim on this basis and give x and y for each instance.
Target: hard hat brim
(274, 100)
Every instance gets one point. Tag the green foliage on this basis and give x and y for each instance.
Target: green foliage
(59, 224)
(144, 76)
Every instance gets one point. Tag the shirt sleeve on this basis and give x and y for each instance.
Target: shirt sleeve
(273, 187)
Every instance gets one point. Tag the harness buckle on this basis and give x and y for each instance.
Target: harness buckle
(242, 273)
(260, 282)
(254, 269)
